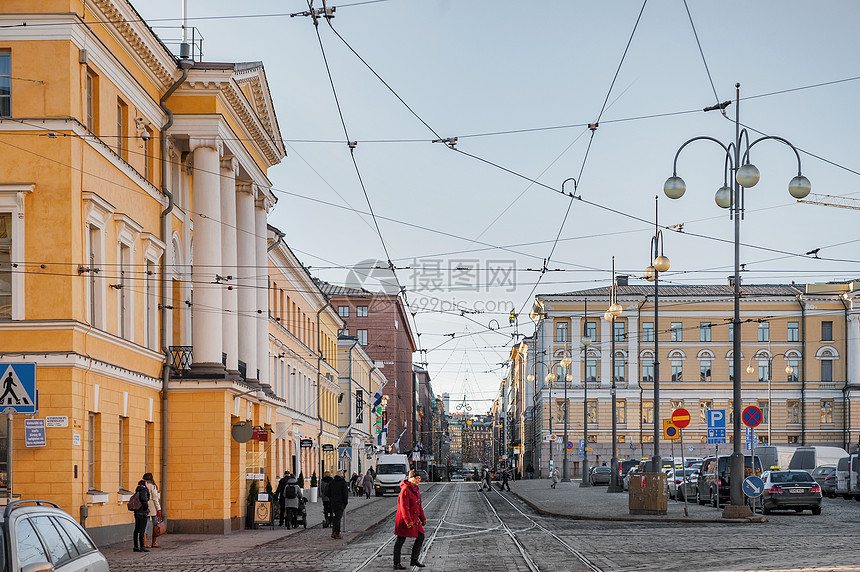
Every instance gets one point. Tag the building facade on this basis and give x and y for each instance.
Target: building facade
(381, 325)
(814, 329)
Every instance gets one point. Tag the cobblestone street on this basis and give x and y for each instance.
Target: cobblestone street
(468, 530)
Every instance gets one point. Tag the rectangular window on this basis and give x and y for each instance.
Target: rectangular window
(705, 370)
(5, 266)
(827, 331)
(677, 370)
(764, 332)
(647, 369)
(121, 124)
(676, 403)
(361, 311)
(731, 332)
(647, 331)
(592, 411)
(620, 369)
(620, 336)
(648, 412)
(124, 454)
(765, 410)
(792, 409)
(148, 460)
(92, 100)
(793, 332)
(763, 370)
(125, 292)
(121, 456)
(705, 405)
(591, 331)
(826, 370)
(151, 293)
(677, 334)
(705, 332)
(561, 331)
(5, 84)
(795, 370)
(362, 336)
(826, 411)
(343, 311)
(621, 411)
(93, 450)
(590, 370)
(731, 371)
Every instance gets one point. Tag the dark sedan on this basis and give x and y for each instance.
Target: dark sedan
(790, 490)
(600, 475)
(825, 476)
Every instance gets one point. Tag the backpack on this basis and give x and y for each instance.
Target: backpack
(290, 492)
(134, 502)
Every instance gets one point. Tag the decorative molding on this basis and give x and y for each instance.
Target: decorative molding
(96, 209)
(153, 248)
(127, 230)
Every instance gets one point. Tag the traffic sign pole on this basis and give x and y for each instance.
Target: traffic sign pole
(683, 475)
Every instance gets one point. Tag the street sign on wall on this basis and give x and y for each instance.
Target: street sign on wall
(18, 393)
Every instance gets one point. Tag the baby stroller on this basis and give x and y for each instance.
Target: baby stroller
(302, 513)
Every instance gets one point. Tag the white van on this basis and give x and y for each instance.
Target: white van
(807, 458)
(391, 470)
(775, 456)
(843, 473)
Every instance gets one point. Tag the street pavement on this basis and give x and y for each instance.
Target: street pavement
(500, 532)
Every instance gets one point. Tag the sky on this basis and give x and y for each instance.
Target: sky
(518, 84)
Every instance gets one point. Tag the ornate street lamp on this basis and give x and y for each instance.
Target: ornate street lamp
(732, 197)
(614, 311)
(788, 369)
(565, 363)
(659, 263)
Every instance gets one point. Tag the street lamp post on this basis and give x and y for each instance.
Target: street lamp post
(745, 175)
(583, 346)
(659, 263)
(614, 310)
(565, 363)
(788, 369)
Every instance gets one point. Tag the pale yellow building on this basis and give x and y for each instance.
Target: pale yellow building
(815, 329)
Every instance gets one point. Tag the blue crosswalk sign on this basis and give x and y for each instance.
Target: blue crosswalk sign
(18, 388)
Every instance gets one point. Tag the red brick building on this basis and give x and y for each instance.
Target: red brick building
(381, 324)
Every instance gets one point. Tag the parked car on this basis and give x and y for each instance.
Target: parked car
(820, 474)
(624, 467)
(39, 535)
(687, 491)
(425, 478)
(714, 478)
(675, 481)
(637, 469)
(599, 475)
(791, 490)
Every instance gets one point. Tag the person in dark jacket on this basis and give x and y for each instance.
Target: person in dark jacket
(324, 485)
(410, 520)
(280, 498)
(367, 483)
(353, 484)
(141, 517)
(338, 493)
(504, 481)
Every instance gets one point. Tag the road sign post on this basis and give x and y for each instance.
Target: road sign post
(681, 418)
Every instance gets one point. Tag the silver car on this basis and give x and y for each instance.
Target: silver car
(40, 536)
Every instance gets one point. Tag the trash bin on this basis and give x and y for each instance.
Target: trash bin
(648, 494)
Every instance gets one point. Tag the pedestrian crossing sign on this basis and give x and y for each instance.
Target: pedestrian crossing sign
(18, 388)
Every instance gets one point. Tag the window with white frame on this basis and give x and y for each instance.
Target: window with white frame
(362, 336)
(704, 331)
(647, 365)
(12, 259)
(5, 83)
(647, 411)
(647, 331)
(764, 332)
(793, 332)
(677, 370)
(124, 292)
(343, 311)
(763, 369)
(705, 370)
(361, 311)
(677, 332)
(795, 370)
(826, 411)
(5, 266)
(619, 333)
(561, 329)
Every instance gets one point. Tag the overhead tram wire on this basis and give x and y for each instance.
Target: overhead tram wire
(702, 53)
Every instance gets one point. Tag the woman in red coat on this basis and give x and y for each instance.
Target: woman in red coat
(410, 520)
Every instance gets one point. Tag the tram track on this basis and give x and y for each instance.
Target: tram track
(535, 525)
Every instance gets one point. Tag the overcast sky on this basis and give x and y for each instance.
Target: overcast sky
(517, 83)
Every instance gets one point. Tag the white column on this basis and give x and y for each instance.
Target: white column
(262, 258)
(229, 256)
(247, 281)
(605, 351)
(207, 301)
(853, 356)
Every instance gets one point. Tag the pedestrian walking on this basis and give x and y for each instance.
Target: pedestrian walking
(353, 484)
(487, 480)
(141, 517)
(325, 482)
(410, 520)
(280, 499)
(292, 497)
(368, 483)
(154, 509)
(530, 471)
(338, 493)
(555, 478)
(504, 481)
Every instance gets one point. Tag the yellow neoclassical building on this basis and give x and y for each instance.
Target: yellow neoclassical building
(814, 329)
(133, 273)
